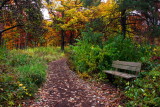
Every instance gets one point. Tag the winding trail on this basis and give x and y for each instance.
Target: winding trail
(63, 88)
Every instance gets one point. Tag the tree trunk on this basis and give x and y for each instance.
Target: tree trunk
(123, 22)
(0, 39)
(26, 41)
(62, 35)
(62, 40)
(71, 38)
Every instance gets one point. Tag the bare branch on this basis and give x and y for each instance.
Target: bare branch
(9, 28)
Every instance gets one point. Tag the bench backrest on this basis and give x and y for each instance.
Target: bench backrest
(132, 66)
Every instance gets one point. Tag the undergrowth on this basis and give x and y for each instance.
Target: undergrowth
(22, 72)
(90, 57)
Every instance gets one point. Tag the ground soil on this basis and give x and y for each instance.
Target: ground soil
(64, 88)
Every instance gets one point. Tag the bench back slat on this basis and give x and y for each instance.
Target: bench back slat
(133, 66)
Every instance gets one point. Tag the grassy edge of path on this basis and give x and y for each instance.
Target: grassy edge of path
(22, 72)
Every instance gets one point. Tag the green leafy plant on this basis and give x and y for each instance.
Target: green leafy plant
(144, 91)
(125, 49)
(88, 55)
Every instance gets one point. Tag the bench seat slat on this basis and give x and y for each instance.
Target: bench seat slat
(121, 74)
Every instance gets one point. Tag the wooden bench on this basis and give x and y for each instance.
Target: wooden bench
(128, 67)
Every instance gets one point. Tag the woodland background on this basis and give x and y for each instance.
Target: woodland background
(93, 33)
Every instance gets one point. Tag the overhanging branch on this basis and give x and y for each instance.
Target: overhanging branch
(9, 28)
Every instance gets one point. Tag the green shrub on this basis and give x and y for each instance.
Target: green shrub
(144, 92)
(126, 50)
(91, 56)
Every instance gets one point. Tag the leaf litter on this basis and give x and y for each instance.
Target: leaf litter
(64, 88)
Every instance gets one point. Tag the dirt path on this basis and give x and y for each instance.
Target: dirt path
(64, 88)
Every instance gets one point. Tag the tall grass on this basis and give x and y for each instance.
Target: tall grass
(23, 72)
